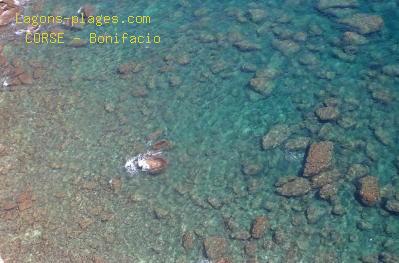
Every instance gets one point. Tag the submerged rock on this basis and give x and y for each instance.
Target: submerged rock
(297, 187)
(391, 70)
(215, 247)
(353, 38)
(297, 144)
(327, 113)
(188, 240)
(263, 81)
(328, 191)
(246, 46)
(287, 47)
(369, 190)
(363, 23)
(251, 168)
(392, 206)
(383, 96)
(314, 214)
(257, 15)
(326, 4)
(263, 86)
(324, 178)
(259, 226)
(319, 158)
(276, 136)
(240, 235)
(128, 68)
(357, 170)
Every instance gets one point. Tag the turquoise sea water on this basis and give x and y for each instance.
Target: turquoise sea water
(71, 131)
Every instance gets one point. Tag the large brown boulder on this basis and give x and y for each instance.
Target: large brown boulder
(319, 158)
(369, 190)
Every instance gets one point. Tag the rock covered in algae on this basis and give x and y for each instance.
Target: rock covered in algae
(319, 158)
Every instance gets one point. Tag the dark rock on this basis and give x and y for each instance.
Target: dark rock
(368, 190)
(297, 187)
(318, 158)
(259, 226)
(215, 247)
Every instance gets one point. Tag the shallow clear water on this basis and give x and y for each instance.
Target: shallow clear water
(70, 132)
